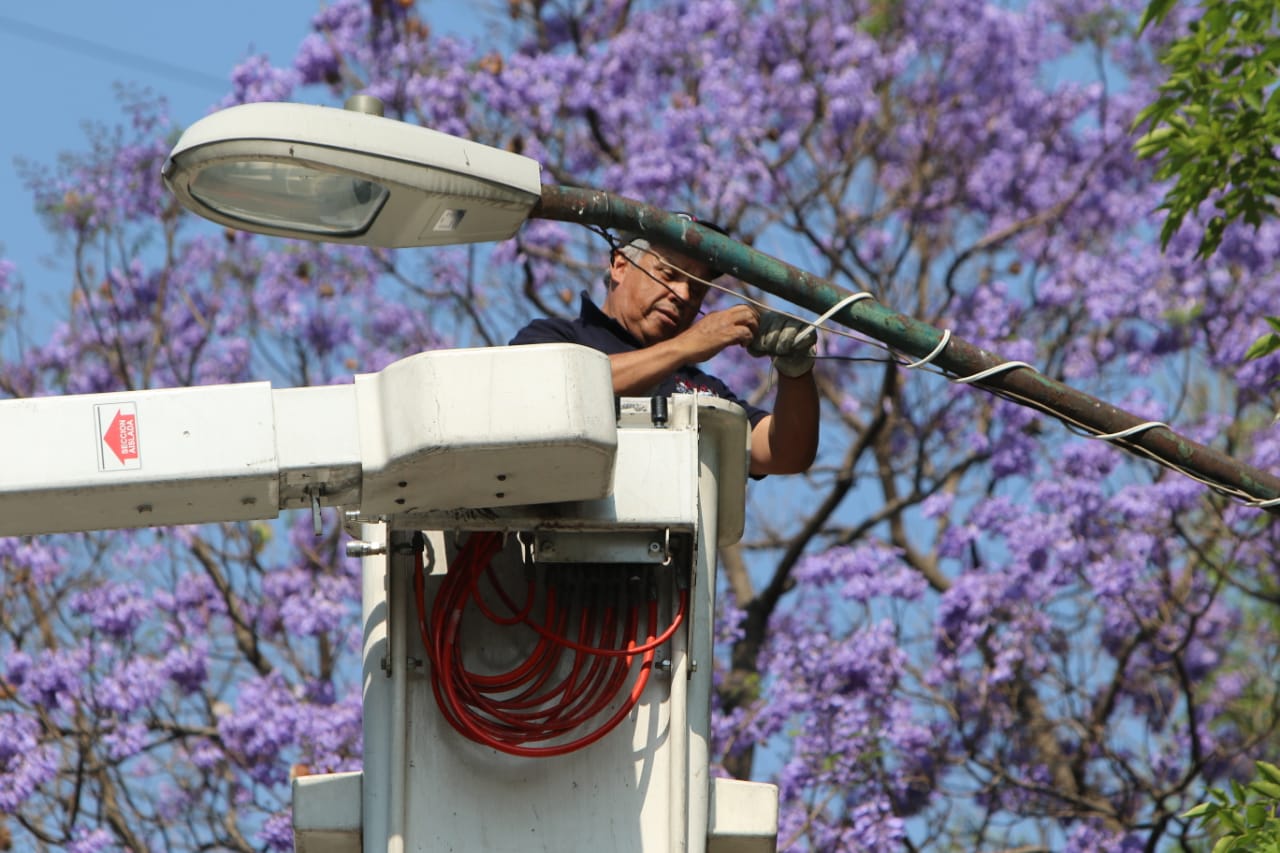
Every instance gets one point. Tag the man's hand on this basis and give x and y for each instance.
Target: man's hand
(719, 330)
(638, 372)
(791, 343)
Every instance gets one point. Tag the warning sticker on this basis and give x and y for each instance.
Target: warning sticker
(118, 447)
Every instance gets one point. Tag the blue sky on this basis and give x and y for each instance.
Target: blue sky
(62, 60)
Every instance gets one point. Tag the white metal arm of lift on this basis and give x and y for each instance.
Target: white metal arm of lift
(449, 429)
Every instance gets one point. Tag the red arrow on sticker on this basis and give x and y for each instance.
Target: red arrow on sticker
(122, 437)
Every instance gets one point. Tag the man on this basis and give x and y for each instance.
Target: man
(649, 327)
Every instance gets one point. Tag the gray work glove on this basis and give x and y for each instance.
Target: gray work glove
(791, 343)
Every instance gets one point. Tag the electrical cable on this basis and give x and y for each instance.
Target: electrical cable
(995, 370)
(1133, 430)
(835, 309)
(587, 642)
(937, 351)
(107, 53)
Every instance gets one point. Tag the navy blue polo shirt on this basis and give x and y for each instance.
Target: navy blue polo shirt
(595, 329)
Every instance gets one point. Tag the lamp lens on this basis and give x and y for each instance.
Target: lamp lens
(287, 195)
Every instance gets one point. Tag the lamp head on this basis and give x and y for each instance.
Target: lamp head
(320, 173)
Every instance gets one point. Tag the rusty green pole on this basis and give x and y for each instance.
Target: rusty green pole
(904, 334)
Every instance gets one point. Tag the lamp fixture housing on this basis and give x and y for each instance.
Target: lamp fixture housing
(322, 173)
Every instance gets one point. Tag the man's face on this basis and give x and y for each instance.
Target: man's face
(655, 298)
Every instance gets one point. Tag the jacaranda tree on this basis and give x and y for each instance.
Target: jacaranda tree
(967, 628)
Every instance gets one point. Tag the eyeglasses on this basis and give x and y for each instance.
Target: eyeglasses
(627, 239)
(667, 274)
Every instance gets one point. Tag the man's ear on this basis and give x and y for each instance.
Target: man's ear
(618, 264)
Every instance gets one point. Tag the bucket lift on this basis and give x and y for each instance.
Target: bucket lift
(596, 512)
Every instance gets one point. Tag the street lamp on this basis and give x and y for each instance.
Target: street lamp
(345, 176)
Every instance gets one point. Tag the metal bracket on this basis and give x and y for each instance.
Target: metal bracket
(313, 492)
(623, 546)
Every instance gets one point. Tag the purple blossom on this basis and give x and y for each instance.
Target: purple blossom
(115, 609)
(25, 763)
(277, 832)
(17, 667)
(205, 755)
(41, 561)
(53, 678)
(187, 667)
(255, 79)
(261, 727)
(308, 604)
(91, 841)
(125, 740)
(1090, 838)
(132, 684)
(864, 572)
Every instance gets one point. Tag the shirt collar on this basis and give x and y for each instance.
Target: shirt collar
(591, 315)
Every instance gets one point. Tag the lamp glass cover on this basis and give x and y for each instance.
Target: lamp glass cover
(288, 195)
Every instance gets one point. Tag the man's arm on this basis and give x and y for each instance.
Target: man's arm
(638, 372)
(786, 442)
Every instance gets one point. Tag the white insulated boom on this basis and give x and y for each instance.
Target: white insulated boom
(450, 429)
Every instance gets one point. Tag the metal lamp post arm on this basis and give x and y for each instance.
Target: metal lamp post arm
(960, 360)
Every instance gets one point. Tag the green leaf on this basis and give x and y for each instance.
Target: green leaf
(1199, 811)
(1266, 768)
(1155, 13)
(1263, 346)
(1156, 111)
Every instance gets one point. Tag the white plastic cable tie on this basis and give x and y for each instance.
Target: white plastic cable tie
(992, 371)
(937, 351)
(834, 309)
(1133, 430)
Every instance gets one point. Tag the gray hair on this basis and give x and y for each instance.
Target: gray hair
(636, 249)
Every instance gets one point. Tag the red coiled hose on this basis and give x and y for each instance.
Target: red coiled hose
(514, 711)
